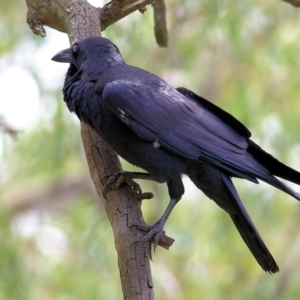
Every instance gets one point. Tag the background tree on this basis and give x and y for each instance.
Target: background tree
(244, 57)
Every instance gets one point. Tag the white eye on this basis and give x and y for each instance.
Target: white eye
(75, 48)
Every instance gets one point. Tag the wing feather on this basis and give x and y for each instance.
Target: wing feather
(177, 123)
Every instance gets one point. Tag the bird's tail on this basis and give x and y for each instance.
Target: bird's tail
(219, 187)
(276, 167)
(259, 164)
(248, 231)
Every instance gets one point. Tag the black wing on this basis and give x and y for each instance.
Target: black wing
(161, 113)
(222, 114)
(180, 125)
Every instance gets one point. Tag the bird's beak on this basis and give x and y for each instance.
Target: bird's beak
(64, 56)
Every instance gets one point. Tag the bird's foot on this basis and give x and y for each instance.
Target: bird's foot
(154, 233)
(114, 180)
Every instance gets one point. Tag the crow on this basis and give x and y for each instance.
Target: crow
(170, 132)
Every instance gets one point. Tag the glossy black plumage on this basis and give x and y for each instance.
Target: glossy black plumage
(170, 132)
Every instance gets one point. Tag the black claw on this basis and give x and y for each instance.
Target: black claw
(154, 233)
(111, 182)
(114, 180)
(142, 227)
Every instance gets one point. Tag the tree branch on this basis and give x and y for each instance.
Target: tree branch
(118, 9)
(295, 3)
(160, 23)
(81, 20)
(55, 196)
(59, 14)
(6, 128)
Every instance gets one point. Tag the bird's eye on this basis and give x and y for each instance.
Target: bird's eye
(75, 48)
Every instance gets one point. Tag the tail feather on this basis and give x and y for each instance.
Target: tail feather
(276, 167)
(255, 244)
(248, 231)
(219, 187)
(280, 185)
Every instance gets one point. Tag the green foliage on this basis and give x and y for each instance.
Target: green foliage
(242, 56)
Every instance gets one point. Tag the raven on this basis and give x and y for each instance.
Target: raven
(169, 132)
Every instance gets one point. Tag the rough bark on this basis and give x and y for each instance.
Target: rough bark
(123, 209)
(80, 20)
(60, 14)
(118, 9)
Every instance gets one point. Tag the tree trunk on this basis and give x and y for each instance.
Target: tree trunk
(80, 20)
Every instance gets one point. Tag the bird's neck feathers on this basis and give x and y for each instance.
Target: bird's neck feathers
(79, 95)
(80, 80)
(71, 88)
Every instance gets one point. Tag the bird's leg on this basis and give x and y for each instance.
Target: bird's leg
(156, 231)
(114, 180)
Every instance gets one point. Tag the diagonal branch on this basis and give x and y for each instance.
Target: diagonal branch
(118, 9)
(80, 20)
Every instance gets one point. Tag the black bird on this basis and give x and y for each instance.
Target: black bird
(169, 132)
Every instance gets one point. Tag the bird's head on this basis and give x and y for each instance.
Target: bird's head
(90, 52)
